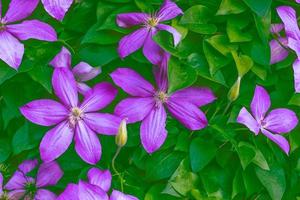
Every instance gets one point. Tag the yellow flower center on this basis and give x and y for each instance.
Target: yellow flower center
(75, 116)
(153, 21)
(162, 96)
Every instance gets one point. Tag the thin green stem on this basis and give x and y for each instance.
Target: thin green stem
(227, 107)
(115, 170)
(67, 45)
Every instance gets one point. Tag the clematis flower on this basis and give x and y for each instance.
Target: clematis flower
(82, 71)
(22, 186)
(148, 104)
(73, 119)
(11, 50)
(57, 8)
(292, 41)
(143, 37)
(97, 187)
(272, 124)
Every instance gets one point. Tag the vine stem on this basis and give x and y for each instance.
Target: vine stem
(227, 107)
(115, 170)
(67, 45)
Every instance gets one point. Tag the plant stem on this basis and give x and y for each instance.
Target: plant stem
(114, 168)
(227, 107)
(67, 45)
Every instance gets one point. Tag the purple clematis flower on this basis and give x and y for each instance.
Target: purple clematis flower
(97, 187)
(57, 8)
(148, 104)
(72, 118)
(82, 71)
(292, 41)
(11, 50)
(151, 24)
(278, 121)
(22, 186)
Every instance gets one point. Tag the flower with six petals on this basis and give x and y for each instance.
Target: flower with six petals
(73, 119)
(147, 104)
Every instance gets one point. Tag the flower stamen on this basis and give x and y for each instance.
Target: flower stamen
(75, 116)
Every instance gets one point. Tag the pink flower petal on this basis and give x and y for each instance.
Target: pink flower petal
(56, 141)
(260, 103)
(11, 50)
(296, 68)
(196, 95)
(57, 8)
(278, 139)
(45, 112)
(289, 19)
(84, 72)
(151, 50)
(188, 114)
(82, 88)
(87, 144)
(62, 59)
(247, 119)
(91, 192)
(281, 120)
(135, 109)
(48, 174)
(20, 9)
(278, 53)
(33, 29)
(168, 10)
(173, 31)
(98, 97)
(128, 20)
(101, 178)
(132, 42)
(16, 194)
(132, 83)
(70, 193)
(28, 165)
(153, 129)
(16, 182)
(43, 194)
(106, 124)
(65, 87)
(117, 195)
(161, 73)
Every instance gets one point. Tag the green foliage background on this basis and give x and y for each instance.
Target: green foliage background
(222, 40)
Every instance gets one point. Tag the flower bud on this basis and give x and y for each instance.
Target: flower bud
(234, 92)
(121, 137)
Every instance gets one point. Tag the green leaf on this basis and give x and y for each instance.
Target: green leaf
(243, 63)
(273, 180)
(236, 29)
(5, 149)
(42, 75)
(180, 75)
(98, 55)
(228, 7)
(295, 100)
(263, 25)
(21, 140)
(201, 153)
(246, 153)
(170, 161)
(215, 59)
(183, 180)
(222, 44)
(260, 7)
(197, 18)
